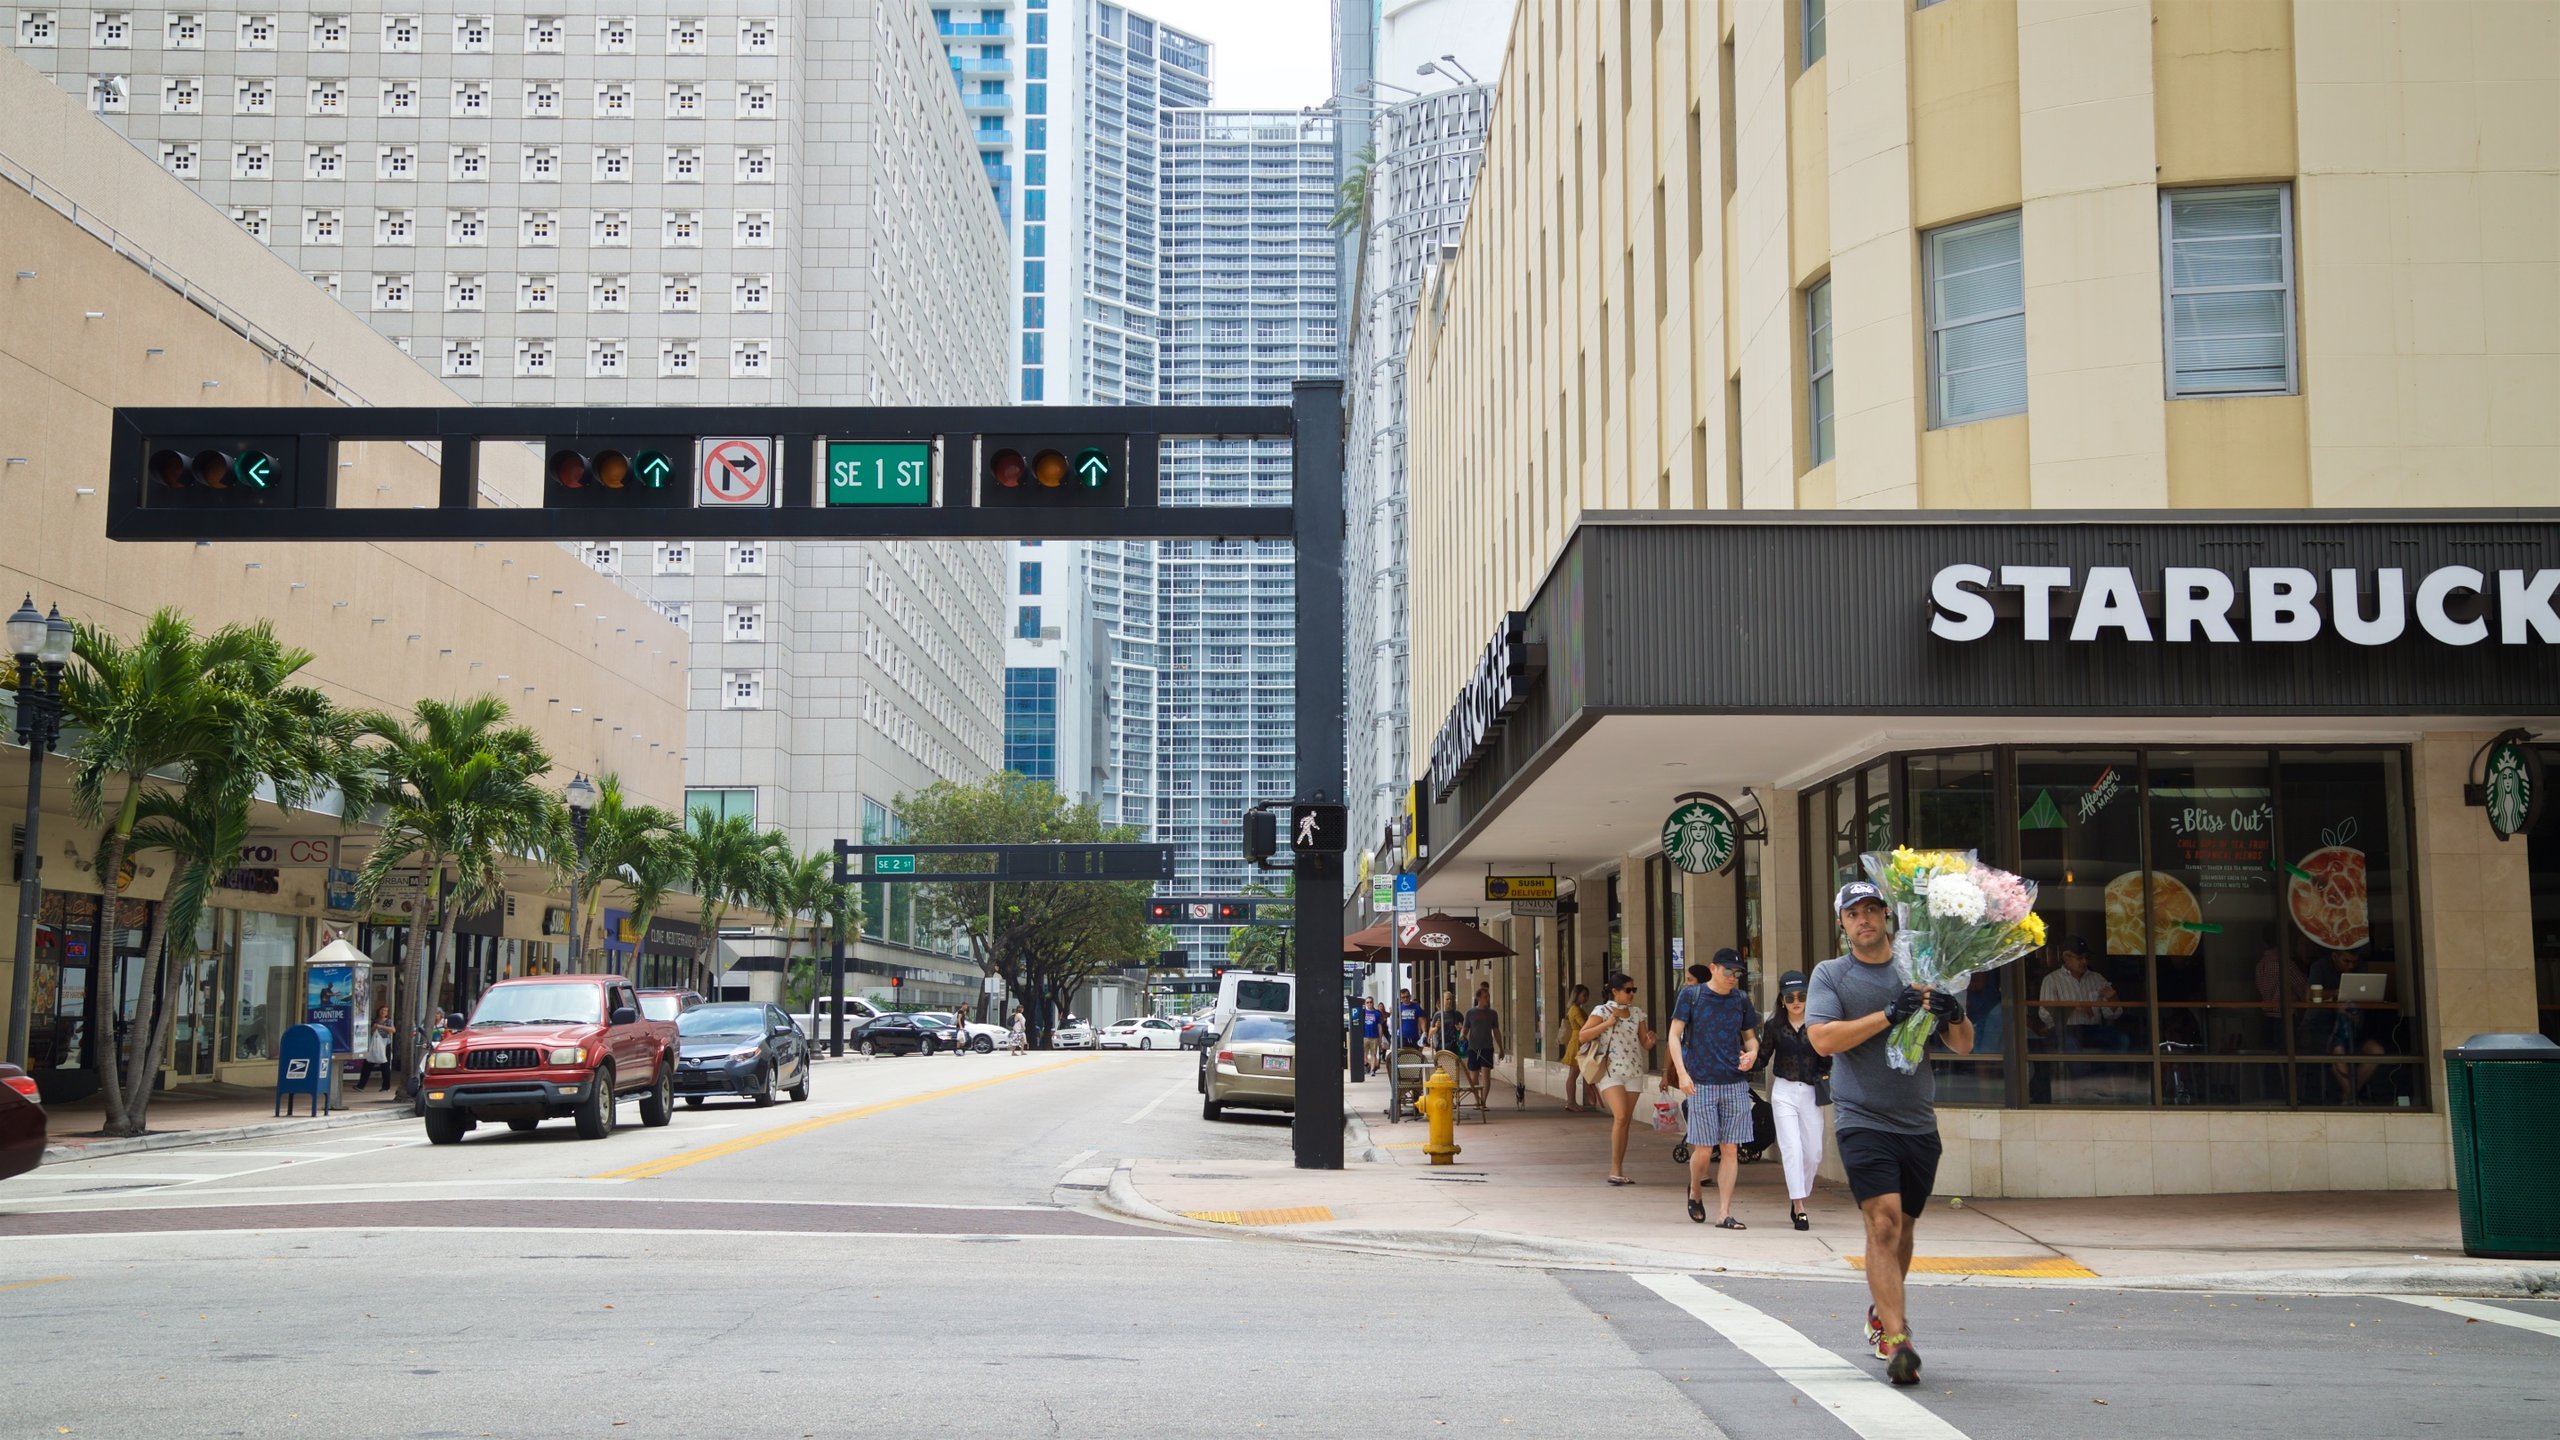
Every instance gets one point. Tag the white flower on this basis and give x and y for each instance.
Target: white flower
(1956, 897)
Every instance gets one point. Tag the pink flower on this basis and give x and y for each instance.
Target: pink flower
(2009, 897)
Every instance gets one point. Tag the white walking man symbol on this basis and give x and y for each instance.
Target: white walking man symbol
(1306, 831)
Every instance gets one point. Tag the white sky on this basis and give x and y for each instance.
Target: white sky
(1270, 54)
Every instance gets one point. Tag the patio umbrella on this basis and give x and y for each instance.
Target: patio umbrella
(1436, 936)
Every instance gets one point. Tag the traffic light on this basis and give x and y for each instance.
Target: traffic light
(1163, 912)
(897, 982)
(1235, 912)
(636, 472)
(205, 472)
(1053, 471)
(1201, 910)
(1261, 837)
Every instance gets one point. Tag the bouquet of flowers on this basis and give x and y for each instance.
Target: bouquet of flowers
(1953, 915)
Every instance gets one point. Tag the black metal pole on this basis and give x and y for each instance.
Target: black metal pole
(835, 964)
(31, 731)
(1316, 511)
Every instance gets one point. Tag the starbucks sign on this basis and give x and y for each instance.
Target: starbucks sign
(1702, 835)
(2511, 787)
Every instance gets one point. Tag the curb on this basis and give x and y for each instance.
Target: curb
(179, 1139)
(1495, 1247)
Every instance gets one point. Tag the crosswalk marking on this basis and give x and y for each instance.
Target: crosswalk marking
(2469, 1310)
(1865, 1404)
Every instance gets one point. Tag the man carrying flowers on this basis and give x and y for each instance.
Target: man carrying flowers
(1887, 1116)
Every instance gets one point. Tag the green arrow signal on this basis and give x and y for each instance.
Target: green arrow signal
(1092, 467)
(654, 469)
(255, 469)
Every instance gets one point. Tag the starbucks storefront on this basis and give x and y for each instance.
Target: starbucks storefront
(2258, 766)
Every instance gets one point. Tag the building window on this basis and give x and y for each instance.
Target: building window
(110, 94)
(686, 36)
(613, 164)
(743, 623)
(673, 557)
(1031, 721)
(111, 30)
(327, 280)
(328, 97)
(257, 32)
(684, 164)
(759, 37)
(324, 162)
(467, 227)
(320, 227)
(680, 293)
(722, 803)
(684, 229)
(757, 102)
(602, 556)
(542, 100)
(179, 160)
(2226, 271)
(396, 162)
(182, 95)
(329, 32)
(616, 35)
(1030, 581)
(609, 292)
(537, 292)
(1977, 321)
(677, 359)
(400, 34)
(750, 358)
(607, 359)
(684, 102)
(746, 557)
(255, 97)
(466, 293)
(539, 228)
(1815, 45)
(471, 97)
(393, 227)
(393, 292)
(741, 689)
(533, 358)
(545, 34)
(462, 357)
(540, 164)
(1026, 622)
(37, 29)
(470, 162)
(399, 98)
(1817, 364)
(613, 101)
(252, 218)
(612, 229)
(755, 165)
(755, 228)
(182, 32)
(473, 34)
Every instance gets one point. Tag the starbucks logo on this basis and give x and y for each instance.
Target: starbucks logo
(1701, 834)
(2511, 788)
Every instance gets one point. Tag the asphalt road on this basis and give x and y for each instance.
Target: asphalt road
(911, 1252)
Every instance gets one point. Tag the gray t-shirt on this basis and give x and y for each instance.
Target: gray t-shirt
(1870, 1093)
(1481, 1022)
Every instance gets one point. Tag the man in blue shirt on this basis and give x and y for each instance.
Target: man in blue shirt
(1373, 1029)
(1408, 1019)
(1715, 1041)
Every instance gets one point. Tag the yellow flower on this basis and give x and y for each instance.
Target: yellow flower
(2031, 929)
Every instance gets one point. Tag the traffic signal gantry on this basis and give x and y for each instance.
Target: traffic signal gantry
(812, 473)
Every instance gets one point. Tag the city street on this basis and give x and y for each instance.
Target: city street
(914, 1251)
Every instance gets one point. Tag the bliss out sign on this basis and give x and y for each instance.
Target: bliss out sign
(2453, 604)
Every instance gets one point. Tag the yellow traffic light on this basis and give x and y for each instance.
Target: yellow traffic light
(1049, 468)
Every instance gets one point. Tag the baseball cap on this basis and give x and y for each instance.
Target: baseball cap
(1727, 959)
(2077, 946)
(1853, 892)
(1792, 980)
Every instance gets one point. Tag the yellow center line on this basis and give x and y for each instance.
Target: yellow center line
(31, 1284)
(651, 1169)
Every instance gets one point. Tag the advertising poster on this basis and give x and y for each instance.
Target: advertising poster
(330, 1003)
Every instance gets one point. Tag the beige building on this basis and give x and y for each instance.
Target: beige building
(2119, 438)
(119, 286)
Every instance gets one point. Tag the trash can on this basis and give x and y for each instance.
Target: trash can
(2504, 1093)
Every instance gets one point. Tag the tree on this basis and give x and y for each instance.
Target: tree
(621, 838)
(724, 862)
(459, 784)
(1044, 940)
(1353, 213)
(1266, 946)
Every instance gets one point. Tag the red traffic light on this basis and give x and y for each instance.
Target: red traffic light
(897, 982)
(1006, 468)
(1235, 910)
(1163, 912)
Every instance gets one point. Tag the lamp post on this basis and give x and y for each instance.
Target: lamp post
(581, 796)
(42, 644)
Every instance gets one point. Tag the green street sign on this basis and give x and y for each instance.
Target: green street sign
(655, 469)
(2511, 787)
(1092, 469)
(893, 864)
(867, 473)
(1702, 835)
(255, 470)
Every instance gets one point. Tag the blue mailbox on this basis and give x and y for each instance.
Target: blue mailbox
(302, 1068)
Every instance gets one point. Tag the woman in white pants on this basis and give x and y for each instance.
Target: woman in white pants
(1799, 1086)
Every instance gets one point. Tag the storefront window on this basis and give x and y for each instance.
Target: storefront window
(2346, 868)
(1953, 803)
(2087, 993)
(262, 990)
(2213, 926)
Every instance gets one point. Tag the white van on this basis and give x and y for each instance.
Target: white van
(1254, 992)
(818, 1021)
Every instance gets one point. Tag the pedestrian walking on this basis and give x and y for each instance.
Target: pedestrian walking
(1619, 1028)
(1799, 1086)
(1577, 1009)
(1715, 1045)
(1018, 1039)
(1484, 1037)
(1408, 1020)
(1373, 1030)
(1453, 1024)
(377, 1051)
(1888, 1121)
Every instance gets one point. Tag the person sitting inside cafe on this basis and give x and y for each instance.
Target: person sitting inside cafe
(2352, 1027)
(2075, 1003)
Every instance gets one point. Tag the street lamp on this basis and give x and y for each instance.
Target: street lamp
(581, 796)
(42, 644)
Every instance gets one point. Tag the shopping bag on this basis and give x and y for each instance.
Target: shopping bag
(1671, 1114)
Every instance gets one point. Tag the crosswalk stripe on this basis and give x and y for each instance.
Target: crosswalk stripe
(2469, 1310)
(1868, 1406)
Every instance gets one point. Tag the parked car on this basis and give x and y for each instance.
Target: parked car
(21, 1122)
(818, 1021)
(668, 1004)
(1199, 1032)
(740, 1049)
(1074, 1035)
(1255, 1064)
(543, 1047)
(979, 1037)
(1144, 1032)
(896, 1033)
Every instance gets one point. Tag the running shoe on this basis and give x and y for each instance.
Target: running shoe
(1901, 1362)
(1875, 1330)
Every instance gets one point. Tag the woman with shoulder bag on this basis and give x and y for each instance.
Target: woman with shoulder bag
(1617, 1040)
(1799, 1086)
(1577, 1094)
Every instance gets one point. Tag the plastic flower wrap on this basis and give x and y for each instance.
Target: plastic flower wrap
(1953, 915)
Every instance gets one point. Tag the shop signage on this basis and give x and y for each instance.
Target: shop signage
(2511, 786)
(1519, 887)
(2275, 604)
(1701, 836)
(341, 891)
(1489, 696)
(289, 852)
(1534, 909)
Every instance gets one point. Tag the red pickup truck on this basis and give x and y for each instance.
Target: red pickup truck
(547, 1046)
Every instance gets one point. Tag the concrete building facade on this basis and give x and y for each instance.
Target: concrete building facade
(1773, 327)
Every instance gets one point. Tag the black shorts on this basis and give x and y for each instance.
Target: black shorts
(1882, 1162)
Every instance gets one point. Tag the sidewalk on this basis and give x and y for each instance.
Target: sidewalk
(1528, 1187)
(201, 1117)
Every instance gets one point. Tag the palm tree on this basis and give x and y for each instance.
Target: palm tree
(723, 864)
(459, 784)
(651, 874)
(794, 888)
(1353, 212)
(620, 835)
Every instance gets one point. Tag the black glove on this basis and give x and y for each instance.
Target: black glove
(1948, 1009)
(1904, 1006)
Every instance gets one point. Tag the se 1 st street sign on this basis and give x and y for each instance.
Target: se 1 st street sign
(872, 473)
